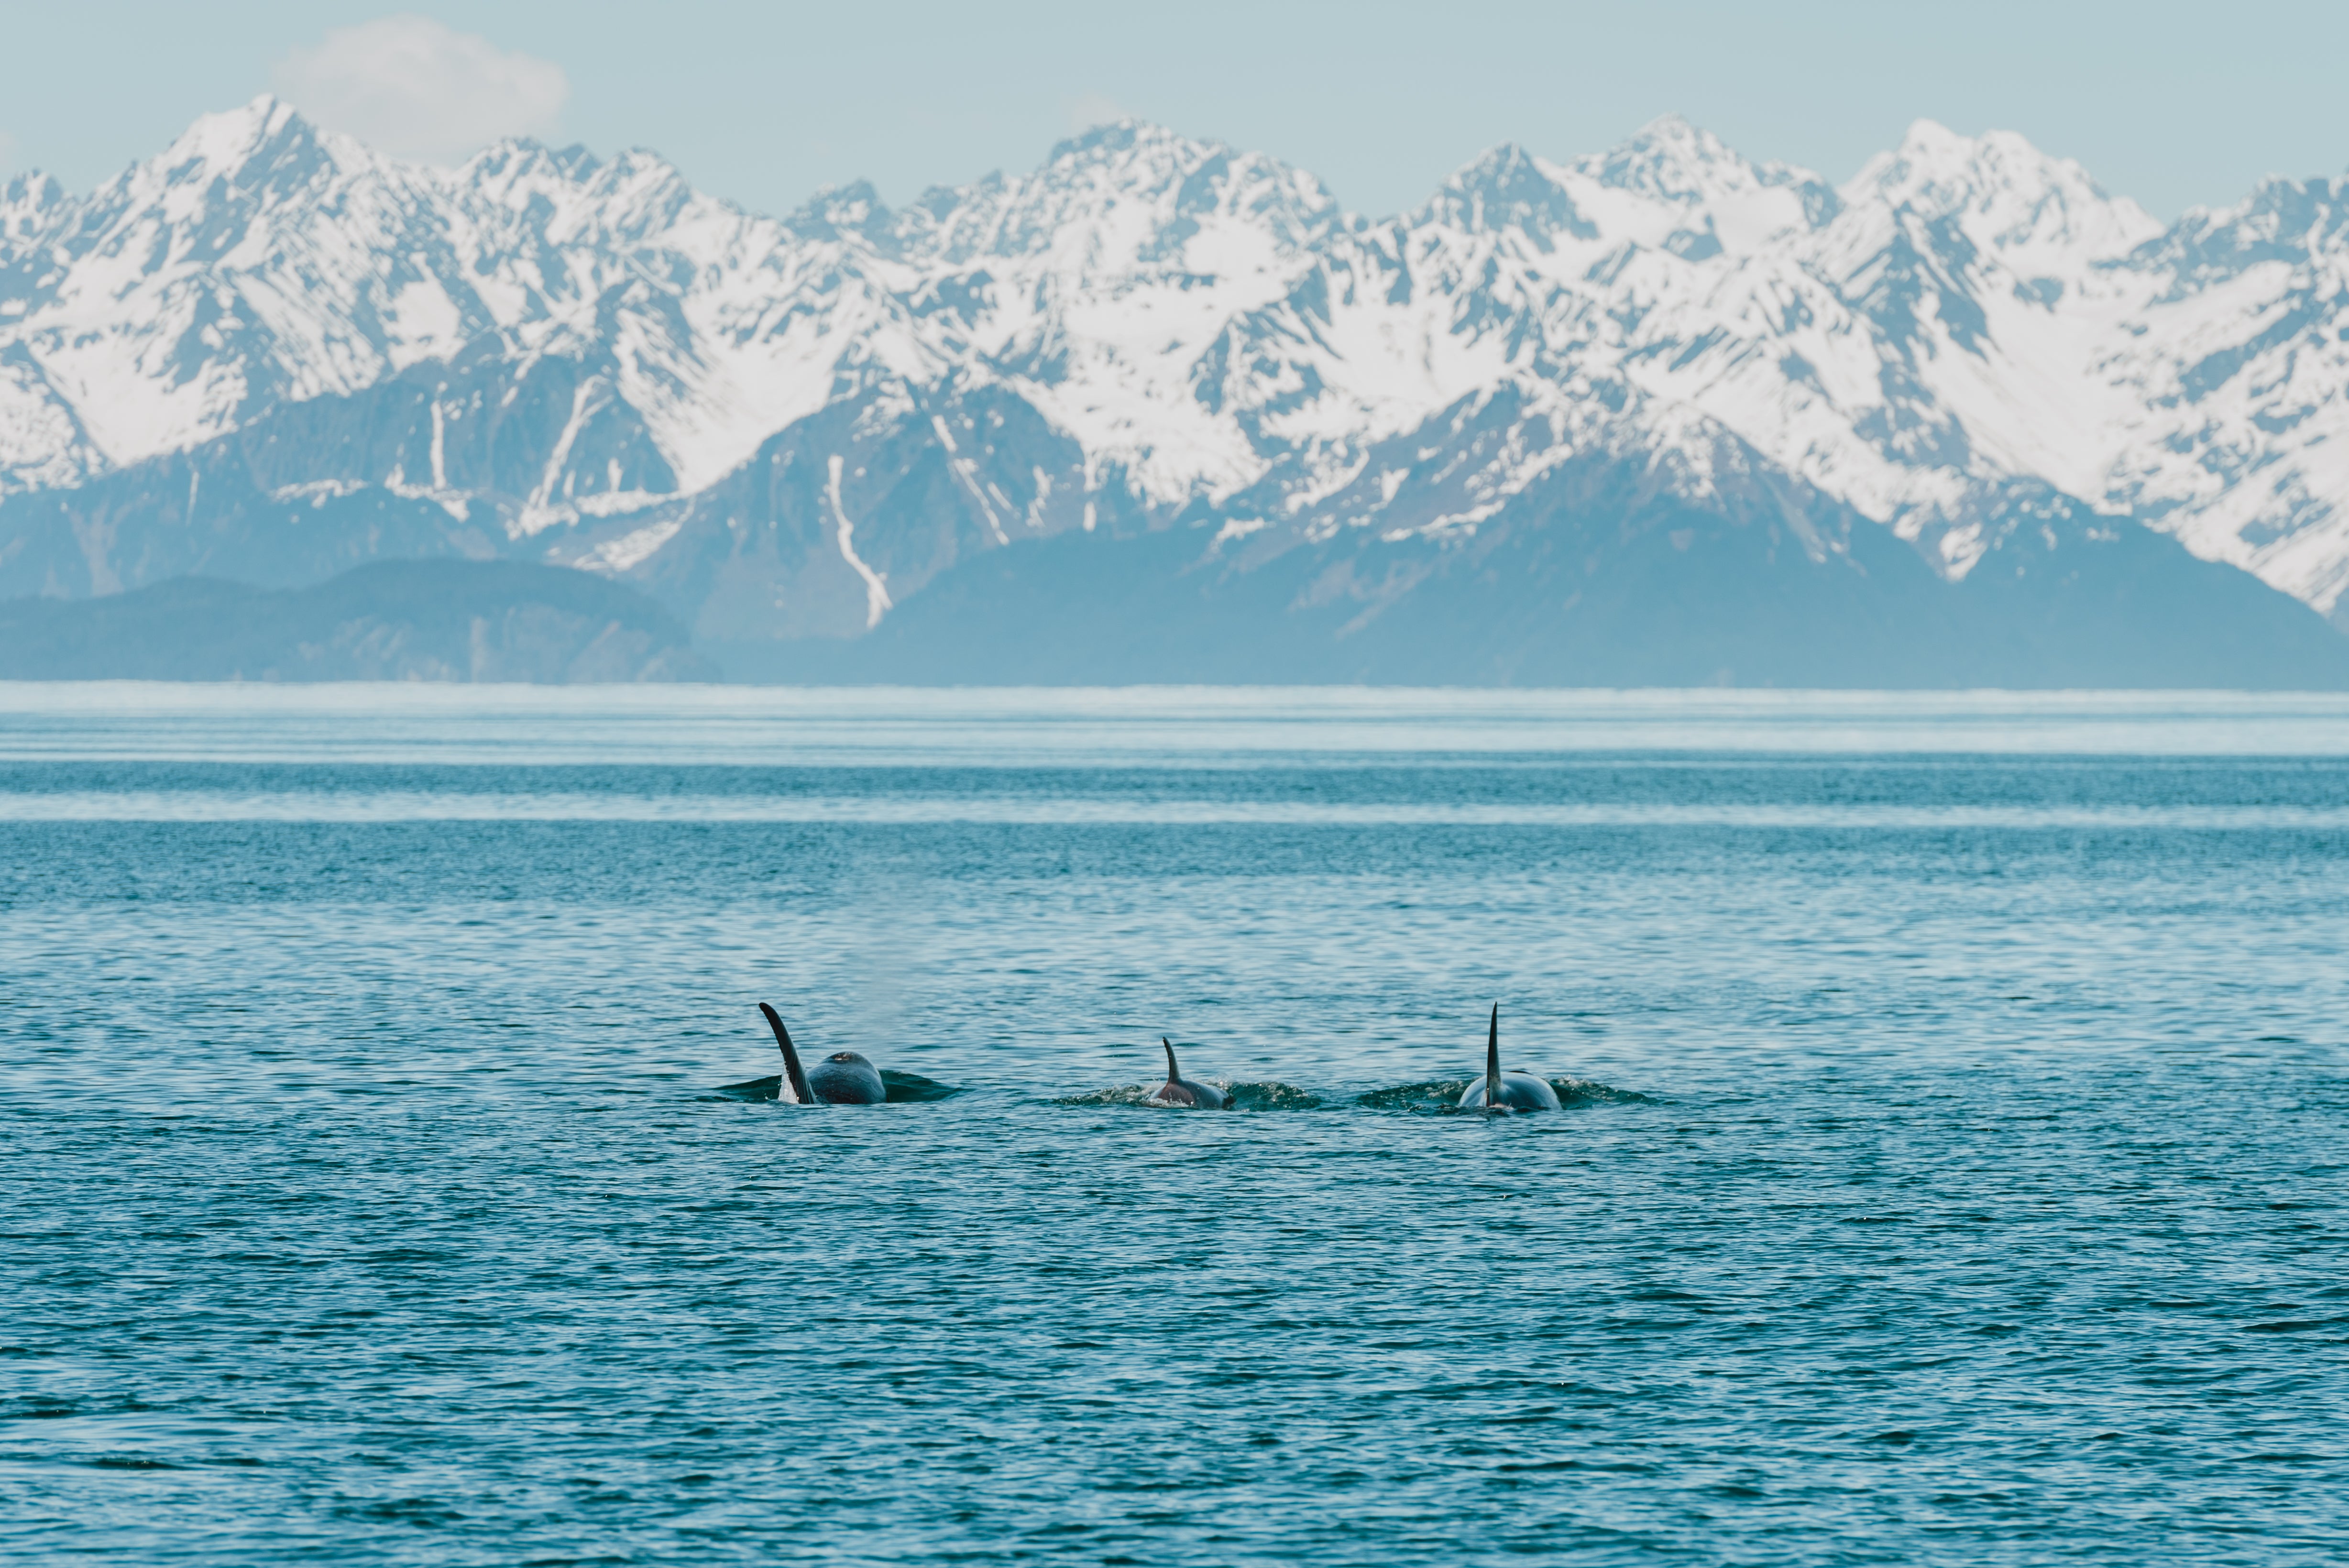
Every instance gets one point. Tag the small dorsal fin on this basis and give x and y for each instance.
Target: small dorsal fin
(795, 1090)
(1492, 1060)
(1174, 1073)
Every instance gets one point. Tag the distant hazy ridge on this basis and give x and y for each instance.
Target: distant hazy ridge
(416, 620)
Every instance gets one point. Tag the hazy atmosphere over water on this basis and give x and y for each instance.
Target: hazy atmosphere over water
(1950, 1170)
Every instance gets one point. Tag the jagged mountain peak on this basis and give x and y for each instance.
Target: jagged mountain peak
(522, 158)
(230, 135)
(580, 163)
(1132, 160)
(567, 197)
(640, 194)
(1127, 134)
(854, 213)
(2003, 192)
(520, 181)
(1737, 204)
(1671, 186)
(637, 169)
(1122, 194)
(254, 144)
(1506, 187)
(1670, 160)
(227, 172)
(2291, 222)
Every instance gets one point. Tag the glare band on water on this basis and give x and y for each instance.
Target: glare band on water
(164, 721)
(394, 806)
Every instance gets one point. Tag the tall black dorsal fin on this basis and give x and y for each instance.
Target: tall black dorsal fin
(1174, 1073)
(796, 1083)
(1493, 1060)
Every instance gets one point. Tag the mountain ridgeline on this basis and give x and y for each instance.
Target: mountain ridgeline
(391, 621)
(1163, 410)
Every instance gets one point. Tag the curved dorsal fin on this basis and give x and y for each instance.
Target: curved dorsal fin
(795, 1089)
(1492, 1060)
(1174, 1073)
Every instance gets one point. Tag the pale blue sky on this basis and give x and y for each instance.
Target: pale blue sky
(2174, 104)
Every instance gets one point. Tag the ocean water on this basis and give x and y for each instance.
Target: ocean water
(1953, 1170)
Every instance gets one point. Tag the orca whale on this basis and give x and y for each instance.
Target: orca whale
(842, 1078)
(1513, 1090)
(1180, 1090)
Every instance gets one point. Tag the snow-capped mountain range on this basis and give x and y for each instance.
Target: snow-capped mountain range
(270, 353)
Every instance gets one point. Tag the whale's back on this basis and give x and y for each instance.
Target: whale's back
(845, 1077)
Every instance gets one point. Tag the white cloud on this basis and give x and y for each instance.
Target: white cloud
(414, 87)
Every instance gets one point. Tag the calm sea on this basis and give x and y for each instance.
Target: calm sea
(1952, 1172)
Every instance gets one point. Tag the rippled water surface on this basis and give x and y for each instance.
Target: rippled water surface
(1952, 1171)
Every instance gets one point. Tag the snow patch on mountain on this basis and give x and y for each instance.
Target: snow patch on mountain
(572, 349)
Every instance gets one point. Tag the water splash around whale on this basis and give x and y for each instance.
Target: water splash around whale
(903, 1088)
(1441, 1097)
